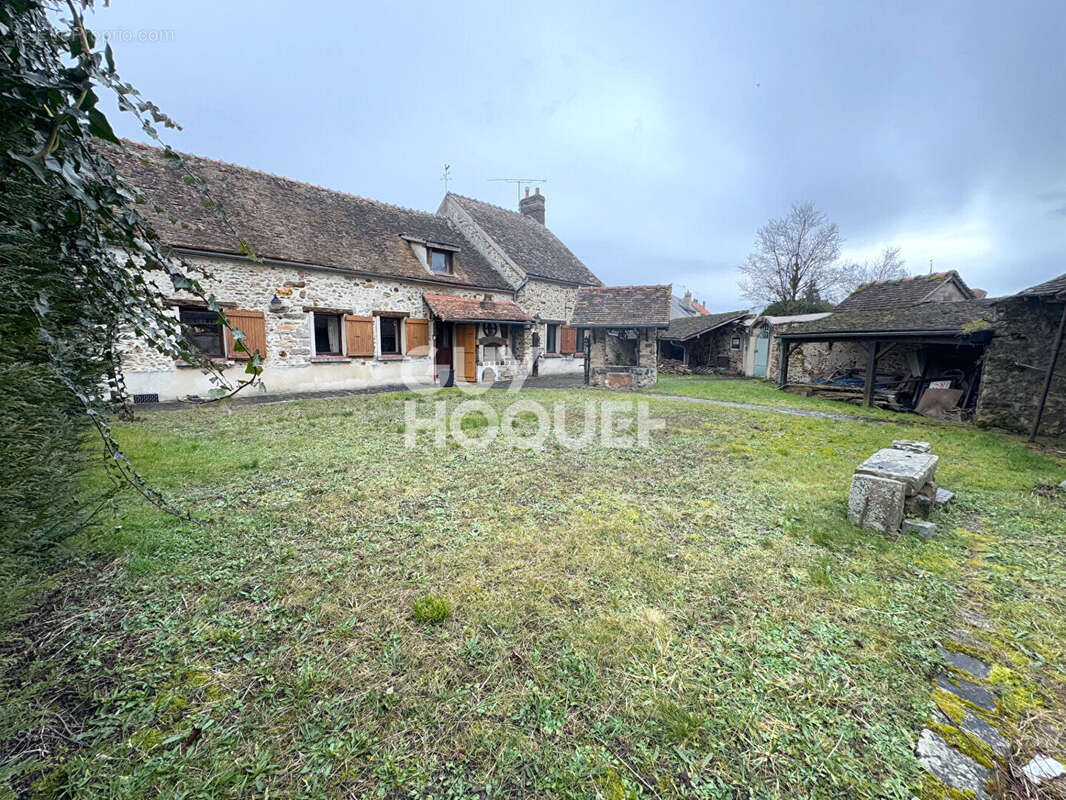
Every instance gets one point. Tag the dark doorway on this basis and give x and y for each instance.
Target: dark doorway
(443, 361)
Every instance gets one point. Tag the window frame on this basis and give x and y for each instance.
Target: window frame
(217, 324)
(434, 251)
(327, 315)
(551, 338)
(734, 343)
(398, 321)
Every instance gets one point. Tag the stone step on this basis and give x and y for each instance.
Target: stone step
(995, 741)
(954, 768)
(971, 692)
(974, 666)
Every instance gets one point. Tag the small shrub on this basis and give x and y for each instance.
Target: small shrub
(431, 609)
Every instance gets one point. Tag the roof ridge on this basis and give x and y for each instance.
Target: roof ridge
(295, 181)
(632, 286)
(486, 203)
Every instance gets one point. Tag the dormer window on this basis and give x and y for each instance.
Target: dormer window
(440, 261)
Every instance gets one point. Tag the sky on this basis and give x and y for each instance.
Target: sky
(667, 133)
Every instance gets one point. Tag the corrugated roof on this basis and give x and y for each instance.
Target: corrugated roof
(288, 220)
(460, 309)
(532, 246)
(963, 316)
(691, 327)
(900, 293)
(622, 306)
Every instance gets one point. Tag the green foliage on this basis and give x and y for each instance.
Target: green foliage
(431, 609)
(42, 431)
(75, 258)
(787, 308)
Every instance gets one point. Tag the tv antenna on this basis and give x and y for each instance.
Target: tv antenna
(447, 176)
(518, 183)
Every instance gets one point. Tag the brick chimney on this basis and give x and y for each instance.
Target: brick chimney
(532, 206)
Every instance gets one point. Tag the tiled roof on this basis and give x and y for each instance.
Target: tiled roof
(532, 246)
(1051, 287)
(690, 327)
(699, 307)
(622, 306)
(459, 309)
(963, 316)
(900, 293)
(685, 307)
(292, 221)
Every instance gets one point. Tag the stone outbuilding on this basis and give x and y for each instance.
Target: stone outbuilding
(620, 325)
(707, 343)
(1024, 383)
(908, 352)
(760, 359)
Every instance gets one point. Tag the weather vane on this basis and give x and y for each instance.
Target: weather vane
(447, 176)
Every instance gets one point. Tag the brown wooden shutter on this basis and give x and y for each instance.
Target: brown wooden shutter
(359, 333)
(253, 325)
(418, 336)
(567, 339)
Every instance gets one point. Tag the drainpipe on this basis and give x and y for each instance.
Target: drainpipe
(521, 286)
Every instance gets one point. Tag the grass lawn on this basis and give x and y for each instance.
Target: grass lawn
(766, 393)
(691, 619)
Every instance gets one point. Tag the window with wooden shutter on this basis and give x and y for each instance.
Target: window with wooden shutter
(567, 339)
(418, 337)
(359, 335)
(253, 325)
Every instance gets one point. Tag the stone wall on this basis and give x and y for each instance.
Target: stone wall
(555, 302)
(289, 365)
(813, 360)
(1025, 330)
(610, 376)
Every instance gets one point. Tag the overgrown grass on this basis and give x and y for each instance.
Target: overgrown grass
(691, 619)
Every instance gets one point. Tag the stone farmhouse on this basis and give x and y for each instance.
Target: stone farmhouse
(351, 293)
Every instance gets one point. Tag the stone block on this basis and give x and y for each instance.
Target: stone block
(927, 530)
(921, 504)
(943, 497)
(911, 445)
(974, 666)
(995, 741)
(876, 503)
(913, 470)
(954, 768)
(971, 692)
(1043, 768)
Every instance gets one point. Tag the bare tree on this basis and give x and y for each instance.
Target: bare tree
(794, 259)
(889, 266)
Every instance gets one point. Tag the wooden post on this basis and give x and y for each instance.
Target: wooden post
(871, 375)
(783, 350)
(1050, 374)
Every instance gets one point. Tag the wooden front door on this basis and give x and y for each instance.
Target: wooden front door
(442, 356)
(466, 351)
